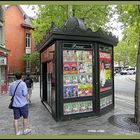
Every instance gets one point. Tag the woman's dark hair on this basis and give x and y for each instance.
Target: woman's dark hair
(18, 75)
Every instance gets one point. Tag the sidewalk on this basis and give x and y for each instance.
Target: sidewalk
(41, 121)
(132, 77)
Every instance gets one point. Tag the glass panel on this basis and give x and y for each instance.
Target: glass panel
(28, 40)
(51, 78)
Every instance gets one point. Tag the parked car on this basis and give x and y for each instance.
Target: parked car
(131, 71)
(128, 71)
(124, 72)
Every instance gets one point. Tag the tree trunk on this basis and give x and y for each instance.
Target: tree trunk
(137, 84)
(71, 11)
(137, 87)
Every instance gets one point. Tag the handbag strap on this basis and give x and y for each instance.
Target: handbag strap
(15, 91)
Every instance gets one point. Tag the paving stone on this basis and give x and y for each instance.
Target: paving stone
(41, 122)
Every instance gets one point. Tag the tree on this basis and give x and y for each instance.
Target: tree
(121, 54)
(125, 53)
(130, 16)
(95, 16)
(34, 60)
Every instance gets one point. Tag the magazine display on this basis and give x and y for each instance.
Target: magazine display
(77, 107)
(106, 101)
(77, 73)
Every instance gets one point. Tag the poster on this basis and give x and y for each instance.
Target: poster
(70, 91)
(67, 91)
(77, 73)
(70, 68)
(69, 55)
(81, 67)
(74, 79)
(85, 90)
(77, 107)
(81, 56)
(105, 71)
(66, 80)
(106, 101)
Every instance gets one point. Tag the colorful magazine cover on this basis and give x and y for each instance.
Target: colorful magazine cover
(66, 80)
(89, 106)
(88, 67)
(70, 68)
(74, 108)
(82, 79)
(81, 55)
(74, 91)
(69, 55)
(67, 108)
(81, 67)
(88, 56)
(89, 78)
(66, 55)
(82, 107)
(67, 92)
(74, 79)
(85, 90)
(74, 55)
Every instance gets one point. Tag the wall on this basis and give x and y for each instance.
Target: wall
(15, 38)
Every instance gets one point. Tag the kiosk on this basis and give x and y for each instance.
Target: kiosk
(77, 78)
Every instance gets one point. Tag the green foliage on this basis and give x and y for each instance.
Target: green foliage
(33, 59)
(47, 15)
(129, 15)
(95, 16)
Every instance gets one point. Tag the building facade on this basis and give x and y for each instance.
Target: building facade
(18, 27)
(3, 54)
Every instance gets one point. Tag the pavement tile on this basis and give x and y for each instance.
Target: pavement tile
(41, 122)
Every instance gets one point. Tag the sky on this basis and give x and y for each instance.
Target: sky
(117, 32)
(28, 10)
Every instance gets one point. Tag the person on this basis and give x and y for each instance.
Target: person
(102, 74)
(20, 105)
(67, 92)
(66, 80)
(74, 108)
(29, 82)
(81, 67)
(74, 92)
(74, 80)
(82, 107)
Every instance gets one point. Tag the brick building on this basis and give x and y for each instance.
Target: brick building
(18, 27)
(3, 54)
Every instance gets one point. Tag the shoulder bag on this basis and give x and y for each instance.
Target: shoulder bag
(12, 99)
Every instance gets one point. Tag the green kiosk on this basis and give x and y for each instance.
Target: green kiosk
(77, 78)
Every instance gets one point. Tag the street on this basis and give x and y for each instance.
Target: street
(41, 121)
(124, 92)
(124, 85)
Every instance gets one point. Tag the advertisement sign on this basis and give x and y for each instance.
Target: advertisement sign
(77, 107)
(77, 73)
(105, 71)
(106, 101)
